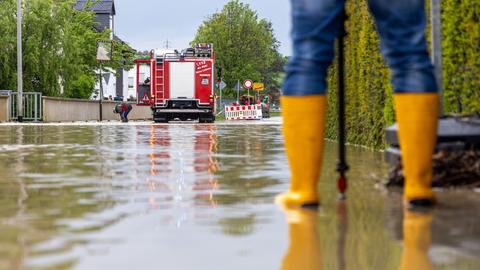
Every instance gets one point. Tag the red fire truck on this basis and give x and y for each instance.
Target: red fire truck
(180, 86)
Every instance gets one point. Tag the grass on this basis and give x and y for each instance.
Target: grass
(272, 114)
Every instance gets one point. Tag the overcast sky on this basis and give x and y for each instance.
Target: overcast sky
(147, 24)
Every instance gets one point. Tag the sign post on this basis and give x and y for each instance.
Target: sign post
(104, 53)
(248, 84)
(19, 63)
(238, 87)
(221, 86)
(258, 87)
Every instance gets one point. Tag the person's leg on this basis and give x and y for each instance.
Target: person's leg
(401, 25)
(316, 24)
(126, 113)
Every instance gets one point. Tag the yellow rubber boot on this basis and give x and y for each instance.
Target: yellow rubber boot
(417, 117)
(416, 241)
(303, 128)
(304, 250)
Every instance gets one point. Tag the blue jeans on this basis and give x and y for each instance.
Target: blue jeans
(124, 115)
(400, 24)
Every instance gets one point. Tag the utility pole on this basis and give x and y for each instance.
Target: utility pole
(19, 63)
(238, 91)
(100, 94)
(436, 37)
(167, 44)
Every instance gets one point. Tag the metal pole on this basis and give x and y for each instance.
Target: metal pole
(342, 166)
(19, 63)
(436, 39)
(101, 94)
(238, 91)
(221, 104)
(36, 118)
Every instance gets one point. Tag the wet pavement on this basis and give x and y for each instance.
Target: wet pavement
(196, 196)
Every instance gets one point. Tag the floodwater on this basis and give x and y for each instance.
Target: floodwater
(195, 196)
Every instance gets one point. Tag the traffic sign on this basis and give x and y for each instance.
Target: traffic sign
(248, 84)
(258, 86)
(222, 85)
(146, 98)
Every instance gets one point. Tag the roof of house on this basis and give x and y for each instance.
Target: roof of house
(102, 7)
(117, 38)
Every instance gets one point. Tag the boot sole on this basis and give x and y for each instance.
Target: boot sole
(420, 204)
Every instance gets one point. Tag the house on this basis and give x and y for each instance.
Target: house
(115, 83)
(104, 14)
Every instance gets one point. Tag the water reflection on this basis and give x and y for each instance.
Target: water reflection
(87, 197)
(41, 185)
(304, 250)
(447, 238)
(184, 163)
(416, 241)
(342, 234)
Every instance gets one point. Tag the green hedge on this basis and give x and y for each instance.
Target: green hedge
(461, 52)
(368, 91)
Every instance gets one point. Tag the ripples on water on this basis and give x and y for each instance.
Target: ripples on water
(191, 196)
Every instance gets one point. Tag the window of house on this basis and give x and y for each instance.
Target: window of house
(131, 82)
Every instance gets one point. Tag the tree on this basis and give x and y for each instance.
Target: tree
(7, 45)
(245, 45)
(59, 48)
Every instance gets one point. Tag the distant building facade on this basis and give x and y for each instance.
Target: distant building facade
(115, 83)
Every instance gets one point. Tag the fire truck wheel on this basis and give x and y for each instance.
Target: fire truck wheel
(161, 117)
(209, 119)
(161, 120)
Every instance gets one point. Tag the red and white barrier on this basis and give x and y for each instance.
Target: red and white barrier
(247, 112)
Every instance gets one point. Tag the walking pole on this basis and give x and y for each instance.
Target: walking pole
(342, 166)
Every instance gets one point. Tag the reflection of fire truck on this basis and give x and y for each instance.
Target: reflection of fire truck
(182, 167)
(181, 85)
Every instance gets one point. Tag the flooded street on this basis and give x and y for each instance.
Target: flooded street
(200, 196)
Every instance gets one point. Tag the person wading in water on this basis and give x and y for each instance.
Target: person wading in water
(401, 27)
